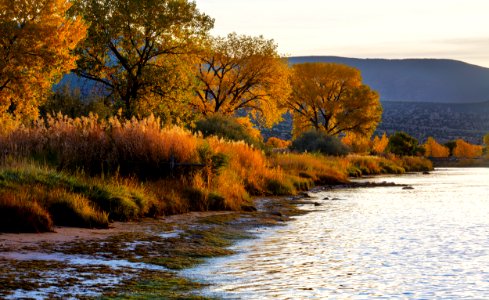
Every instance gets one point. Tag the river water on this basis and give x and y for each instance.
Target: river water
(370, 243)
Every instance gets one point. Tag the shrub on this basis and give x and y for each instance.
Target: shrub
(401, 143)
(434, 149)
(318, 141)
(467, 150)
(275, 142)
(229, 128)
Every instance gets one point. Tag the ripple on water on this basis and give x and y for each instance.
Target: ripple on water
(384, 242)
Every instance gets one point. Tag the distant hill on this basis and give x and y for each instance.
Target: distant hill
(417, 80)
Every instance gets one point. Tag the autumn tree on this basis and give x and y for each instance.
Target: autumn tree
(379, 145)
(242, 73)
(331, 98)
(434, 149)
(36, 40)
(141, 52)
(466, 150)
(357, 143)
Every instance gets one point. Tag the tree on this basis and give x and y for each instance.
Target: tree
(434, 149)
(466, 150)
(403, 144)
(244, 73)
(357, 143)
(331, 98)
(141, 52)
(36, 43)
(380, 144)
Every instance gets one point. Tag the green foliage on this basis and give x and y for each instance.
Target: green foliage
(451, 146)
(401, 143)
(225, 127)
(79, 196)
(69, 102)
(319, 141)
(73, 210)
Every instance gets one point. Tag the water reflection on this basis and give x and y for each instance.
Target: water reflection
(430, 242)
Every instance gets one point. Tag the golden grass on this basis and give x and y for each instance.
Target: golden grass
(127, 169)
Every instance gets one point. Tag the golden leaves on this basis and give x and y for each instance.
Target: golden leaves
(331, 97)
(36, 40)
(242, 73)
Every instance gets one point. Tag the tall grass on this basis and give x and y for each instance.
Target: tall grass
(71, 200)
(87, 172)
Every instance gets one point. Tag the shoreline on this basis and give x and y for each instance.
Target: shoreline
(134, 260)
(137, 260)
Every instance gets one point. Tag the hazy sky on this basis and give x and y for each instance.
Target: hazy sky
(457, 29)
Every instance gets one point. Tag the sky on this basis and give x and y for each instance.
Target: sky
(454, 29)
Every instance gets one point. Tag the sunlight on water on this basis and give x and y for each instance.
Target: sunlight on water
(385, 242)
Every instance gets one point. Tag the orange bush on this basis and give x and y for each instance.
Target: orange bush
(357, 143)
(433, 149)
(467, 150)
(275, 142)
(379, 144)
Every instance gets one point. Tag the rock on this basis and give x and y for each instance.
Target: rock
(317, 204)
(248, 208)
(426, 173)
(277, 213)
(408, 188)
(326, 198)
(305, 195)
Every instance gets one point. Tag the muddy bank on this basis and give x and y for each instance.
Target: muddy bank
(129, 260)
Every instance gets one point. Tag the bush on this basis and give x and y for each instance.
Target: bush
(318, 141)
(401, 143)
(228, 128)
(275, 142)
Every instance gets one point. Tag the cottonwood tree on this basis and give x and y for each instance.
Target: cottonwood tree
(331, 98)
(434, 149)
(142, 52)
(464, 149)
(245, 73)
(380, 144)
(36, 39)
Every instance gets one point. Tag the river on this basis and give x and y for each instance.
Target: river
(370, 243)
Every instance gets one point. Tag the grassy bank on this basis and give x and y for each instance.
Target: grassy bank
(87, 172)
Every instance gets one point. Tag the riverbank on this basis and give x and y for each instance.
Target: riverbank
(135, 260)
(454, 162)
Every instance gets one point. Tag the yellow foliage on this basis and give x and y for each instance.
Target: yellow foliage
(357, 143)
(249, 128)
(331, 97)
(143, 52)
(379, 144)
(467, 150)
(242, 72)
(36, 43)
(434, 149)
(275, 142)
